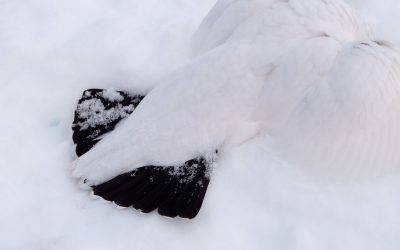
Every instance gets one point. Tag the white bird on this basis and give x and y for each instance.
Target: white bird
(309, 73)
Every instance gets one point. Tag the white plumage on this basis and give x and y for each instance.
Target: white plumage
(306, 72)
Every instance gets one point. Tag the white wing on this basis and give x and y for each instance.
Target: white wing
(247, 21)
(293, 74)
(220, 23)
(347, 123)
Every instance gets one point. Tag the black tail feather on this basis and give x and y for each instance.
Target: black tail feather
(196, 196)
(174, 191)
(97, 112)
(186, 199)
(154, 198)
(193, 205)
(143, 184)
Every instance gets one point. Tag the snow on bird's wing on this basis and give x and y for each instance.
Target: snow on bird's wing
(347, 124)
(97, 113)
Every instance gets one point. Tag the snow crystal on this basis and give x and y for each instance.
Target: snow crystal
(112, 95)
(94, 113)
(188, 171)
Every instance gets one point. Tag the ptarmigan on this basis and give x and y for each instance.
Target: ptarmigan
(309, 73)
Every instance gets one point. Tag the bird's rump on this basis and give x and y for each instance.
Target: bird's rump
(173, 190)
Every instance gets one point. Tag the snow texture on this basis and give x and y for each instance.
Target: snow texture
(95, 113)
(52, 51)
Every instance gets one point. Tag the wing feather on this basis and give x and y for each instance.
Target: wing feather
(347, 123)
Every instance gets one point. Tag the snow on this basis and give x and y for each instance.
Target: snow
(94, 113)
(112, 95)
(52, 51)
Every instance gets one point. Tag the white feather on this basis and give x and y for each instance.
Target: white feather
(345, 123)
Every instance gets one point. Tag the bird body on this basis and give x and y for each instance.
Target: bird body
(309, 73)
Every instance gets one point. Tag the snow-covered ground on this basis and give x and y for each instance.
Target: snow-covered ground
(50, 51)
